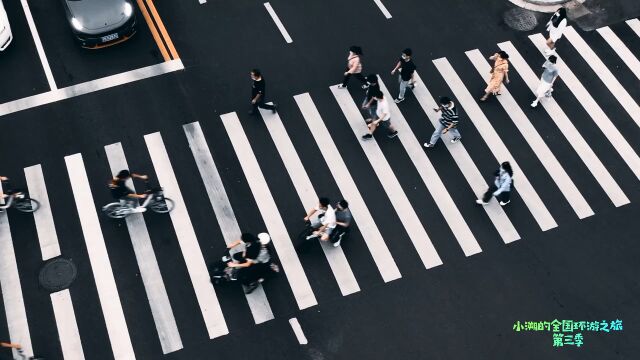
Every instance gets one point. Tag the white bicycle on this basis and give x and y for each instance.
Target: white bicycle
(155, 200)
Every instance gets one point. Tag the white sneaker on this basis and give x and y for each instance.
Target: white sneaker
(534, 104)
(337, 243)
(139, 209)
(504, 203)
(479, 201)
(428, 145)
(311, 236)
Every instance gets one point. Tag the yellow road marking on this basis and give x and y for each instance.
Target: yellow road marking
(154, 32)
(162, 29)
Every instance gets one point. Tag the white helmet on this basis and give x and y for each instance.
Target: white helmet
(264, 238)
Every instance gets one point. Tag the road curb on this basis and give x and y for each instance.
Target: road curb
(546, 6)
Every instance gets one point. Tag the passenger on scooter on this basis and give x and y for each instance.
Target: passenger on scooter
(325, 222)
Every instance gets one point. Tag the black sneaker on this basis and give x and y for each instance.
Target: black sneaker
(249, 288)
(274, 108)
(367, 136)
(392, 135)
(455, 140)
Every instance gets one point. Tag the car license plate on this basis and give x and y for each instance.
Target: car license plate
(110, 37)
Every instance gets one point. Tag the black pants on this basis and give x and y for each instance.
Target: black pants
(503, 196)
(262, 105)
(358, 76)
(335, 234)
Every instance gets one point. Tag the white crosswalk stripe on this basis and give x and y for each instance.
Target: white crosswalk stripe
(607, 77)
(11, 289)
(432, 181)
(368, 228)
(595, 111)
(621, 49)
(498, 148)
(149, 270)
(567, 128)
(470, 171)
(335, 256)
(49, 247)
(634, 24)
(390, 183)
(535, 141)
(102, 272)
(191, 252)
(257, 300)
(266, 204)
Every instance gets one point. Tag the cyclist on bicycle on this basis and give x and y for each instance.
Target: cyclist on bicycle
(325, 222)
(120, 191)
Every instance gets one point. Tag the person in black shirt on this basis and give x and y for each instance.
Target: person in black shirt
(258, 93)
(407, 69)
(369, 102)
(120, 191)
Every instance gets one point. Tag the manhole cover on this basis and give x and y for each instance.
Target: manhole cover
(520, 19)
(57, 274)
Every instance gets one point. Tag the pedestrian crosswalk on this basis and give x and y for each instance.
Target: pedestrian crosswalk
(416, 234)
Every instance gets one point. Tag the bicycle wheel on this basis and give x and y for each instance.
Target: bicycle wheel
(163, 206)
(114, 211)
(26, 205)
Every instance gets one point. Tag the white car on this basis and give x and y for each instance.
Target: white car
(5, 29)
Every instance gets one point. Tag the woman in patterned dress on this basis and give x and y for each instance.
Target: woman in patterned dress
(499, 73)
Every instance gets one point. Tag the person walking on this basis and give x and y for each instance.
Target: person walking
(499, 74)
(448, 122)
(354, 67)
(258, 93)
(383, 119)
(555, 27)
(407, 69)
(549, 76)
(369, 102)
(501, 187)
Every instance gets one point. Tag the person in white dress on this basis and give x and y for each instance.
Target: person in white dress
(555, 27)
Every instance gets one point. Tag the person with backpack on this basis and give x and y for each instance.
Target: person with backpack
(555, 27)
(501, 187)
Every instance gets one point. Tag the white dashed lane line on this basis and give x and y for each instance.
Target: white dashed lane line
(297, 329)
(276, 19)
(383, 8)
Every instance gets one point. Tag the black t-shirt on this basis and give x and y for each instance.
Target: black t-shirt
(120, 190)
(258, 87)
(252, 251)
(408, 67)
(372, 90)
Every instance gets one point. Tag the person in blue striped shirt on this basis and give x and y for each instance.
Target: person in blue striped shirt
(448, 122)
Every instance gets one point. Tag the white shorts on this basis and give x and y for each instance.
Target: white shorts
(542, 89)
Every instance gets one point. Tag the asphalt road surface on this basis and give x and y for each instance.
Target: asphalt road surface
(426, 273)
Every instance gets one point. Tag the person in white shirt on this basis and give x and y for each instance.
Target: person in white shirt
(383, 115)
(555, 27)
(325, 222)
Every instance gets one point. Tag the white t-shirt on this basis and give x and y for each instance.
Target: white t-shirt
(329, 218)
(383, 108)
